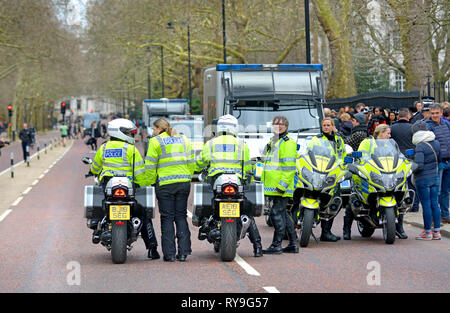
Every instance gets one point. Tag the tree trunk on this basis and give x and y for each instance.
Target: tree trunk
(341, 82)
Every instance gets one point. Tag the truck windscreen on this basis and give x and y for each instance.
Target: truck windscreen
(257, 116)
(190, 128)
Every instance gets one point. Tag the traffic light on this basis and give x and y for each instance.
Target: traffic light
(63, 107)
(10, 110)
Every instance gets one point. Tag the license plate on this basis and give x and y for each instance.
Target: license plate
(119, 212)
(229, 209)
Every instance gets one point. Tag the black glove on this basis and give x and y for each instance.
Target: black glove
(279, 190)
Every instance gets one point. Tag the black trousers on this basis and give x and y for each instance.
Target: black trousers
(148, 234)
(280, 220)
(172, 202)
(24, 149)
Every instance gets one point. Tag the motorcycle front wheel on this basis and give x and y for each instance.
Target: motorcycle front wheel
(307, 225)
(228, 240)
(389, 225)
(119, 243)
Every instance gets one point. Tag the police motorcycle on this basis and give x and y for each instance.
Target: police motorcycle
(379, 193)
(319, 174)
(222, 210)
(118, 210)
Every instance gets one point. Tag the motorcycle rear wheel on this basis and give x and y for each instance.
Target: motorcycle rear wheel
(365, 230)
(119, 243)
(228, 240)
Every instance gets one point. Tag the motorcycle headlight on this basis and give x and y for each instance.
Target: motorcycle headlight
(330, 180)
(376, 178)
(307, 174)
(399, 177)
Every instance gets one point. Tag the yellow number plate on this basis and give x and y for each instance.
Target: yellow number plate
(229, 209)
(119, 212)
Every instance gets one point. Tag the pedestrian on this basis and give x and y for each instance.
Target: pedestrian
(441, 130)
(234, 158)
(94, 133)
(401, 132)
(346, 124)
(25, 137)
(64, 129)
(170, 165)
(417, 116)
(359, 131)
(337, 142)
(392, 118)
(428, 155)
(278, 178)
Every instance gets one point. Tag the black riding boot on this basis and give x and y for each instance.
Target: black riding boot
(399, 231)
(255, 239)
(348, 220)
(326, 232)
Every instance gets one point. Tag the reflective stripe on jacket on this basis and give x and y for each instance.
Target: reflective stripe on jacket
(116, 157)
(169, 159)
(225, 154)
(279, 167)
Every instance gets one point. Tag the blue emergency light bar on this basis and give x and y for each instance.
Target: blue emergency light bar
(167, 100)
(227, 67)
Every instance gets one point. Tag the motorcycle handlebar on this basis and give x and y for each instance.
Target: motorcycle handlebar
(88, 175)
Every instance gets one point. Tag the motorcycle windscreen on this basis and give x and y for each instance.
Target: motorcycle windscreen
(321, 153)
(385, 155)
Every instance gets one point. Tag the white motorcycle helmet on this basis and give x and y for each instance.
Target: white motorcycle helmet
(122, 129)
(228, 124)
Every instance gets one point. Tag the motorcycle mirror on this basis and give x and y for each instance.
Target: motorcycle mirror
(201, 177)
(348, 176)
(356, 154)
(348, 160)
(86, 160)
(410, 152)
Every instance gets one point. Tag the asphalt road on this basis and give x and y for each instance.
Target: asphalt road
(46, 247)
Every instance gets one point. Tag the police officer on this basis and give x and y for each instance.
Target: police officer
(329, 133)
(227, 153)
(278, 178)
(170, 164)
(116, 156)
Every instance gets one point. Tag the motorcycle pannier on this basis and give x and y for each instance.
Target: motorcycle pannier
(202, 204)
(146, 199)
(93, 202)
(254, 193)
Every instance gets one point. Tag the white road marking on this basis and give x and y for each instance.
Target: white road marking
(35, 182)
(27, 190)
(247, 267)
(17, 201)
(2, 217)
(271, 289)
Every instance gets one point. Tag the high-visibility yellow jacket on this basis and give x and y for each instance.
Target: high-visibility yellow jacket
(225, 153)
(338, 145)
(116, 157)
(279, 167)
(169, 159)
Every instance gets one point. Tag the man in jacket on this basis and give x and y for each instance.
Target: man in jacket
(25, 137)
(227, 153)
(359, 131)
(278, 178)
(441, 129)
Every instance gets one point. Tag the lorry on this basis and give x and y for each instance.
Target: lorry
(256, 93)
(153, 109)
(192, 127)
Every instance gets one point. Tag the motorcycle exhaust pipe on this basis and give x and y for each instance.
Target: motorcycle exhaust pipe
(136, 222)
(245, 220)
(356, 206)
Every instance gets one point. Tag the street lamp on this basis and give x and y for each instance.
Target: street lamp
(149, 88)
(170, 26)
(308, 41)
(162, 71)
(224, 33)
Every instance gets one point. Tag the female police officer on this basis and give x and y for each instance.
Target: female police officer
(170, 164)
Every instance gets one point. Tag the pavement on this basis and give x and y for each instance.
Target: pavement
(416, 219)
